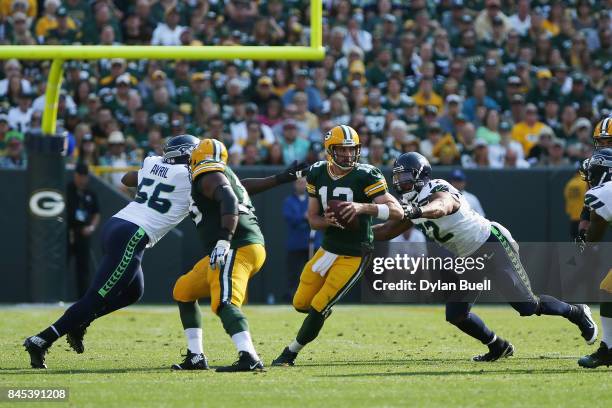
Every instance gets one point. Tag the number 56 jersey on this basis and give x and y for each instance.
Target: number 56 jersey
(162, 199)
(360, 185)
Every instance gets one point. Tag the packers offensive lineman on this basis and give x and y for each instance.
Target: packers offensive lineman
(230, 233)
(598, 200)
(344, 254)
(445, 216)
(161, 202)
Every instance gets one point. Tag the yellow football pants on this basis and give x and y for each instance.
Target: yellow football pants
(606, 283)
(322, 292)
(223, 286)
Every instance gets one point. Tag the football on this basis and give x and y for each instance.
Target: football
(335, 207)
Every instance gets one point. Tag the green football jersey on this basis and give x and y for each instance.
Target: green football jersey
(361, 185)
(206, 214)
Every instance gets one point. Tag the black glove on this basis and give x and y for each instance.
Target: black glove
(580, 240)
(412, 211)
(293, 172)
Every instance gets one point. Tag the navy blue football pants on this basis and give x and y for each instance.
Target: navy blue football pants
(118, 282)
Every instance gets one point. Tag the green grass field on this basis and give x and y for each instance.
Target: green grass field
(366, 356)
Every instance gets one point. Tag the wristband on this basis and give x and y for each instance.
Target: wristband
(383, 212)
(225, 234)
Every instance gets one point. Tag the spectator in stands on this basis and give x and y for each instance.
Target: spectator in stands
(526, 132)
(478, 99)
(116, 156)
(14, 156)
(294, 147)
(83, 215)
(168, 32)
(489, 130)
(20, 116)
(573, 193)
(458, 180)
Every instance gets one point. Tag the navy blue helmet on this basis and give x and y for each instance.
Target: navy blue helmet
(178, 149)
(599, 167)
(411, 171)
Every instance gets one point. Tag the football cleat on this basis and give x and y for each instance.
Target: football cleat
(75, 337)
(581, 316)
(193, 361)
(603, 356)
(286, 358)
(37, 348)
(500, 349)
(245, 362)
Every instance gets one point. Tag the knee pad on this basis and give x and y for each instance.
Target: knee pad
(454, 315)
(179, 292)
(529, 308)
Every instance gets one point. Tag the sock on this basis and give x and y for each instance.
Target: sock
(243, 342)
(554, 307)
(233, 320)
(50, 334)
(295, 347)
(476, 328)
(191, 315)
(310, 328)
(194, 340)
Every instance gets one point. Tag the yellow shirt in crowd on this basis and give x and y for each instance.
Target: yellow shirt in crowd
(574, 192)
(527, 135)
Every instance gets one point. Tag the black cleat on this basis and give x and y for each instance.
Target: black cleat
(245, 362)
(192, 361)
(603, 356)
(75, 337)
(581, 317)
(37, 348)
(286, 358)
(499, 349)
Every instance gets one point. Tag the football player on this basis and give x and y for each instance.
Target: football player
(598, 200)
(344, 253)
(445, 216)
(230, 234)
(602, 138)
(161, 202)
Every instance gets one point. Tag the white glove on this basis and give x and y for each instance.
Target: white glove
(219, 253)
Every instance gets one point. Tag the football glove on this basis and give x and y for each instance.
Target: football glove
(412, 211)
(293, 172)
(218, 256)
(580, 240)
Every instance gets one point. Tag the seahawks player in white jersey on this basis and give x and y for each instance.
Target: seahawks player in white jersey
(161, 202)
(598, 200)
(445, 216)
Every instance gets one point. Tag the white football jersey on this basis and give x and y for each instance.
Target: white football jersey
(162, 200)
(462, 232)
(599, 199)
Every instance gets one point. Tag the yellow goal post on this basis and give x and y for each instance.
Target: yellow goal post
(59, 53)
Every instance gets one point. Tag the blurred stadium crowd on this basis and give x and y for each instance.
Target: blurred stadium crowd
(474, 83)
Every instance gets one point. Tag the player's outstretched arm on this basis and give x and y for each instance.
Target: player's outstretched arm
(216, 186)
(393, 210)
(130, 179)
(390, 229)
(259, 185)
(597, 228)
(439, 205)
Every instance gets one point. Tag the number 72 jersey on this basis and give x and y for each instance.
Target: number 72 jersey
(162, 198)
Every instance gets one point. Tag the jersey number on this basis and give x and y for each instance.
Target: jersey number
(338, 192)
(154, 201)
(434, 230)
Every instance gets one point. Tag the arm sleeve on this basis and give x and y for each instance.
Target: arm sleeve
(311, 182)
(376, 184)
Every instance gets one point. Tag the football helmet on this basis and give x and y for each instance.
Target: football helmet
(602, 135)
(178, 149)
(600, 167)
(338, 137)
(411, 171)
